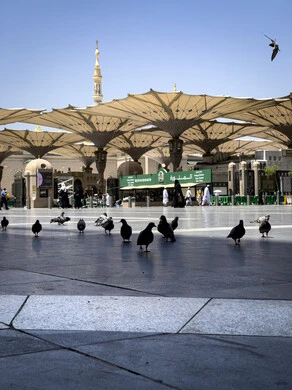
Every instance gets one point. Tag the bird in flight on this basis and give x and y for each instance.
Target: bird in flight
(275, 45)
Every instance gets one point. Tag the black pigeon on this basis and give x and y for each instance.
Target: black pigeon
(4, 223)
(126, 230)
(81, 225)
(174, 223)
(36, 228)
(265, 227)
(275, 45)
(237, 233)
(165, 229)
(101, 219)
(61, 219)
(108, 225)
(146, 237)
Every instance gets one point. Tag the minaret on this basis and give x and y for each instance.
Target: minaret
(97, 77)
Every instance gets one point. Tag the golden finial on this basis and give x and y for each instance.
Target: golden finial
(38, 129)
(174, 88)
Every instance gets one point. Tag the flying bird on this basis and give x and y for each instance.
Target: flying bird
(81, 225)
(61, 219)
(36, 228)
(174, 223)
(265, 227)
(165, 229)
(237, 233)
(108, 225)
(101, 219)
(4, 223)
(126, 230)
(275, 45)
(261, 219)
(145, 237)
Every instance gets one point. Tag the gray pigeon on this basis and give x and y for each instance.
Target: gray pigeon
(237, 233)
(4, 223)
(36, 228)
(126, 230)
(81, 225)
(165, 229)
(275, 45)
(145, 237)
(265, 227)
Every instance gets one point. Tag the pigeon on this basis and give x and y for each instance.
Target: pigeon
(4, 223)
(61, 219)
(165, 229)
(146, 237)
(265, 227)
(237, 233)
(81, 225)
(101, 219)
(126, 230)
(108, 225)
(275, 45)
(174, 223)
(261, 219)
(36, 228)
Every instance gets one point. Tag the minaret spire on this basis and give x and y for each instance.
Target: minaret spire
(97, 78)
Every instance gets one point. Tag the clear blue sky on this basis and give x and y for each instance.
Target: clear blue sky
(214, 47)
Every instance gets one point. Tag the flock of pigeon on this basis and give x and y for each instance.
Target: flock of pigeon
(145, 237)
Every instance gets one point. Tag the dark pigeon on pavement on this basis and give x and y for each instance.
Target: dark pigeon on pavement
(265, 227)
(81, 225)
(145, 237)
(4, 223)
(108, 225)
(165, 229)
(36, 228)
(126, 230)
(237, 233)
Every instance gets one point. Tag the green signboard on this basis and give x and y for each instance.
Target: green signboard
(162, 178)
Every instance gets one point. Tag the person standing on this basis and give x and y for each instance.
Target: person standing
(178, 200)
(188, 197)
(4, 199)
(206, 196)
(165, 197)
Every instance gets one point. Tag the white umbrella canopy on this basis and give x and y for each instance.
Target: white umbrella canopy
(38, 143)
(96, 128)
(176, 112)
(12, 115)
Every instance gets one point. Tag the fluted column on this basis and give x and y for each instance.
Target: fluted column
(231, 178)
(256, 167)
(242, 178)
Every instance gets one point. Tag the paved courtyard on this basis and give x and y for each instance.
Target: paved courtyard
(87, 311)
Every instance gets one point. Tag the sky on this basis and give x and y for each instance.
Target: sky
(213, 47)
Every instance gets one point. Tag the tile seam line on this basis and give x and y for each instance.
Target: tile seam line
(75, 350)
(18, 311)
(194, 315)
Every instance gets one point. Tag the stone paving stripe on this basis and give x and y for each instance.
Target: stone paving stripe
(243, 317)
(9, 306)
(107, 313)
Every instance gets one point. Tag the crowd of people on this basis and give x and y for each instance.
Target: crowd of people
(203, 196)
